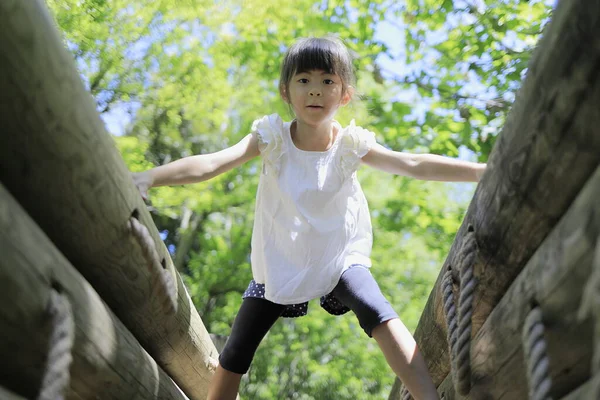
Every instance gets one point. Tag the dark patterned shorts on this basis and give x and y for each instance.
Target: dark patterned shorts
(328, 302)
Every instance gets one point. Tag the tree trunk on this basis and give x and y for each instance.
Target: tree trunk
(188, 230)
(546, 152)
(58, 161)
(107, 361)
(554, 279)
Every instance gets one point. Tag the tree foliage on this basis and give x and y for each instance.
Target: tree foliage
(175, 78)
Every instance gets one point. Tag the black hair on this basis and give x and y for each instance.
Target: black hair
(328, 54)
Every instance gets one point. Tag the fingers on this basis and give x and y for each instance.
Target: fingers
(140, 185)
(143, 192)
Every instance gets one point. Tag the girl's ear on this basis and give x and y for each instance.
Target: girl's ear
(347, 96)
(283, 93)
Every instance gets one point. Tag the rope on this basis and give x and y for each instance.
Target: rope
(405, 394)
(450, 313)
(535, 356)
(459, 331)
(162, 285)
(57, 376)
(465, 312)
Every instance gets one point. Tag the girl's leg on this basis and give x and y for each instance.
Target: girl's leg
(253, 321)
(358, 290)
(405, 359)
(224, 384)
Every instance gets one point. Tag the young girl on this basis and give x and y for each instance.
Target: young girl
(312, 231)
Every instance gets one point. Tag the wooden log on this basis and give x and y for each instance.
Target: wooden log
(547, 150)
(554, 278)
(588, 391)
(63, 168)
(108, 362)
(7, 395)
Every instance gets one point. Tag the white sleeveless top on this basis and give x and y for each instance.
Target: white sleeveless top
(312, 219)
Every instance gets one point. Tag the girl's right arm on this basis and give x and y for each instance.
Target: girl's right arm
(198, 168)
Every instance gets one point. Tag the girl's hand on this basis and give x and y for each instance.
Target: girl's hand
(143, 181)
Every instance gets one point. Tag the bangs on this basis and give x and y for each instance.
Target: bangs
(327, 54)
(317, 55)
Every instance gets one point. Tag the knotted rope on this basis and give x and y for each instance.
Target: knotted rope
(459, 332)
(57, 376)
(162, 285)
(534, 345)
(405, 394)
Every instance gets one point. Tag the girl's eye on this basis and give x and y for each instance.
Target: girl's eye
(303, 80)
(328, 82)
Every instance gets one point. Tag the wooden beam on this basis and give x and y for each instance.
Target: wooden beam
(554, 278)
(64, 169)
(5, 394)
(106, 357)
(587, 391)
(547, 150)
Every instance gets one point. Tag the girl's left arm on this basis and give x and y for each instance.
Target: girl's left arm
(429, 167)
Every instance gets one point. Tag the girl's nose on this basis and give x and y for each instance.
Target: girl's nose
(314, 92)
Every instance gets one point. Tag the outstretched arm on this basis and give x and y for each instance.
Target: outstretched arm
(198, 168)
(428, 167)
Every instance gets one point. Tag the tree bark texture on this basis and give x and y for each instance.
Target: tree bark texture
(5, 394)
(107, 361)
(587, 391)
(554, 279)
(547, 150)
(62, 166)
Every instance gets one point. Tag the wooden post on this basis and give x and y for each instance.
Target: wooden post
(554, 278)
(588, 391)
(106, 357)
(547, 150)
(7, 395)
(58, 161)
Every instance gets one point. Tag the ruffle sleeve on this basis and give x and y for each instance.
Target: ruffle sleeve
(269, 130)
(356, 143)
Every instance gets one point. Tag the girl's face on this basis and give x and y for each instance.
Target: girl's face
(315, 96)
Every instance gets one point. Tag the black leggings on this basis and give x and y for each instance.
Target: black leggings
(356, 289)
